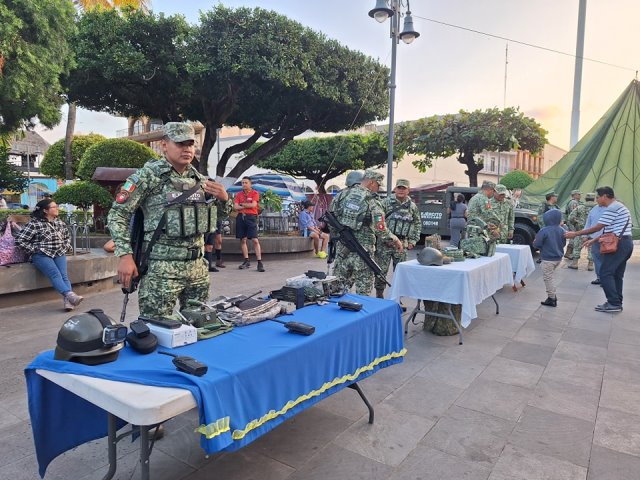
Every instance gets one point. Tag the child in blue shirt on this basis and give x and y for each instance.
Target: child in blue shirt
(550, 240)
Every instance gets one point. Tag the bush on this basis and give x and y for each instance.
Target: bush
(516, 179)
(114, 152)
(52, 164)
(83, 194)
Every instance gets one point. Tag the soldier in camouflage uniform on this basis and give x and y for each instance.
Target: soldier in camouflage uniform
(354, 177)
(480, 207)
(550, 203)
(403, 220)
(571, 206)
(576, 221)
(361, 211)
(503, 209)
(176, 267)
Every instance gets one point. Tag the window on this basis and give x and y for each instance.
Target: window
(492, 164)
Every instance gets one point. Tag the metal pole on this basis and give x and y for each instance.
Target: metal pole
(577, 75)
(395, 26)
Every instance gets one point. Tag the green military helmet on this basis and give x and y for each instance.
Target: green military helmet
(354, 177)
(91, 338)
(430, 256)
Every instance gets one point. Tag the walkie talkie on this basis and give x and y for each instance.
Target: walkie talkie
(296, 327)
(188, 364)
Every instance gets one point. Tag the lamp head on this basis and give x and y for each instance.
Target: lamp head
(381, 11)
(408, 34)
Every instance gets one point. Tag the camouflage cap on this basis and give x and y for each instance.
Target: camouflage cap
(486, 185)
(550, 194)
(373, 175)
(402, 182)
(590, 197)
(179, 131)
(501, 189)
(576, 192)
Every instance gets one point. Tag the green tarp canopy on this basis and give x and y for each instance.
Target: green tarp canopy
(608, 155)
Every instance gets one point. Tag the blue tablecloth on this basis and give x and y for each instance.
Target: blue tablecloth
(258, 376)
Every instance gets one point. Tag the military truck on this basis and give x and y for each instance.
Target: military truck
(433, 207)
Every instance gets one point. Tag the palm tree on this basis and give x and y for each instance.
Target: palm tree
(86, 5)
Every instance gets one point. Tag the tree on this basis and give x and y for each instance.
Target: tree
(34, 54)
(516, 179)
(247, 67)
(260, 70)
(114, 152)
(83, 194)
(322, 158)
(53, 163)
(10, 177)
(469, 133)
(87, 5)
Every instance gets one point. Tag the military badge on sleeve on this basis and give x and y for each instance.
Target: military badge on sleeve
(122, 196)
(379, 221)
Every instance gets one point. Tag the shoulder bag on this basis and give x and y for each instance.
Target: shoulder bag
(609, 241)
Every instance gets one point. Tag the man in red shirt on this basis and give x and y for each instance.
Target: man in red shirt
(246, 204)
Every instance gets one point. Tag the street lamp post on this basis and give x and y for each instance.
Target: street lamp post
(391, 9)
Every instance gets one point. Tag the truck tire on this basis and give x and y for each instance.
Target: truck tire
(523, 234)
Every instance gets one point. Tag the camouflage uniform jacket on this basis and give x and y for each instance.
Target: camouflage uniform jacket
(366, 207)
(544, 206)
(578, 217)
(148, 188)
(403, 219)
(481, 207)
(571, 206)
(504, 211)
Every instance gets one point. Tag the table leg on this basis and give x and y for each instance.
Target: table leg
(111, 446)
(411, 317)
(497, 306)
(144, 452)
(357, 388)
(453, 317)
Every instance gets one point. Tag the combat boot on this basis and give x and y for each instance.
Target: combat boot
(569, 254)
(379, 293)
(590, 266)
(574, 264)
(550, 302)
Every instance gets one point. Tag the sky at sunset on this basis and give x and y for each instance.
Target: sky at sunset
(447, 69)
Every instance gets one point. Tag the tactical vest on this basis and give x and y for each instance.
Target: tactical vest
(353, 210)
(400, 220)
(192, 217)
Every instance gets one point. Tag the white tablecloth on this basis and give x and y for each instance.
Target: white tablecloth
(521, 260)
(466, 283)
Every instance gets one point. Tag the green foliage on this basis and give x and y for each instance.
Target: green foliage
(271, 202)
(322, 158)
(516, 179)
(114, 152)
(10, 177)
(83, 194)
(131, 63)
(247, 67)
(34, 54)
(469, 133)
(53, 162)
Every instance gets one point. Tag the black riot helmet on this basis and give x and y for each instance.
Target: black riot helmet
(430, 256)
(91, 338)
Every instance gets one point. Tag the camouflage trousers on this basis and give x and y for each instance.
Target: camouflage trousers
(384, 256)
(170, 280)
(577, 248)
(351, 269)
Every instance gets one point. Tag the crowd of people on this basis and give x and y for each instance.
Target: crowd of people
(177, 234)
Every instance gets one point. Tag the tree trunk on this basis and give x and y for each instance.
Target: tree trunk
(472, 168)
(207, 144)
(71, 125)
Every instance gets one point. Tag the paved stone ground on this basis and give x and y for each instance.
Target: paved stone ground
(534, 393)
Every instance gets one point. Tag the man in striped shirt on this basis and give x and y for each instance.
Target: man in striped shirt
(616, 219)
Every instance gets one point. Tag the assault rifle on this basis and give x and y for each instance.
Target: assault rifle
(348, 239)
